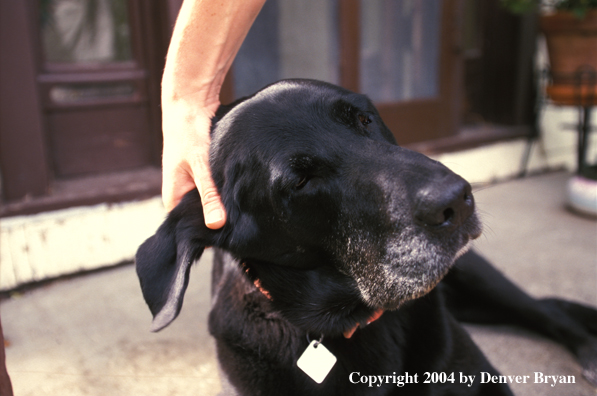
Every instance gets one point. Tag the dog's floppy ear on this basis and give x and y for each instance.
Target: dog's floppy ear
(163, 261)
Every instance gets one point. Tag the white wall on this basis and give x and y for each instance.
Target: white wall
(47, 245)
(555, 149)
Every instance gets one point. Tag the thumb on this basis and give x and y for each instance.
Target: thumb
(213, 209)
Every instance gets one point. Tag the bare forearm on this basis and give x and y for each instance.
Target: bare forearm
(206, 38)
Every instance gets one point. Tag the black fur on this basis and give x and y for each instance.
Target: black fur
(334, 221)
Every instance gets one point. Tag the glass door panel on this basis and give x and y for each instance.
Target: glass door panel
(398, 52)
(289, 39)
(400, 48)
(408, 63)
(85, 31)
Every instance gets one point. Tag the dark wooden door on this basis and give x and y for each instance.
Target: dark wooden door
(96, 85)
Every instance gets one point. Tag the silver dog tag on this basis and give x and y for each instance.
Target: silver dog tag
(316, 361)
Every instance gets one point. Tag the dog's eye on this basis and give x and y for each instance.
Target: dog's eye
(301, 183)
(364, 119)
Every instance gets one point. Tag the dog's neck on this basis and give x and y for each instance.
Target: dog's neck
(347, 333)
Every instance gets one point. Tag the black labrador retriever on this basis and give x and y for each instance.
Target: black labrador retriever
(332, 274)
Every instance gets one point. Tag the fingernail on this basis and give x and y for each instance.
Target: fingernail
(213, 217)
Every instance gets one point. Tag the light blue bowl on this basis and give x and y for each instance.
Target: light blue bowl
(582, 195)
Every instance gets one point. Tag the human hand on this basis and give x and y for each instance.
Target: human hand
(206, 37)
(185, 160)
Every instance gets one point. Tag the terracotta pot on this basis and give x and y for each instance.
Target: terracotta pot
(572, 47)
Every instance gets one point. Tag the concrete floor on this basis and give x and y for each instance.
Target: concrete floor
(90, 335)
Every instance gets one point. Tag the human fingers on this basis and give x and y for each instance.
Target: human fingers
(214, 211)
(176, 182)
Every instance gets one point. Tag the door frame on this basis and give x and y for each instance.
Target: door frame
(130, 116)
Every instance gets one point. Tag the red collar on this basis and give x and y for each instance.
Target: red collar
(257, 284)
(376, 315)
(348, 333)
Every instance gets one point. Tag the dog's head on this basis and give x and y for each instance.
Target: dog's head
(315, 186)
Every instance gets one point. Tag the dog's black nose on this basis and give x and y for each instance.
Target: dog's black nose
(446, 203)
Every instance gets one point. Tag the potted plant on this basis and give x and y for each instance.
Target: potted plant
(577, 7)
(570, 30)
